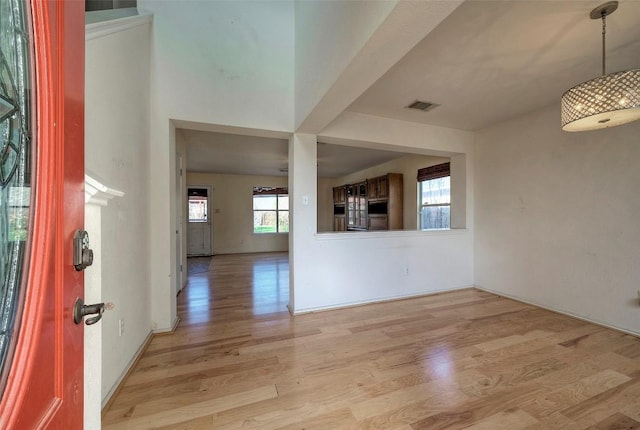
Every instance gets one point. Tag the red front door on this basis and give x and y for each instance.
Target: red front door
(41, 207)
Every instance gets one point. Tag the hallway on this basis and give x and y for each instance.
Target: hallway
(463, 359)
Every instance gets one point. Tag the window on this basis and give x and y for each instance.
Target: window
(435, 197)
(270, 210)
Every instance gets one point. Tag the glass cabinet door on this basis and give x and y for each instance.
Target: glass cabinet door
(351, 206)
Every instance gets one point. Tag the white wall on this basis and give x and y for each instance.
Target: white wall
(325, 203)
(364, 267)
(557, 217)
(116, 153)
(232, 212)
(331, 270)
(93, 335)
(233, 66)
(303, 186)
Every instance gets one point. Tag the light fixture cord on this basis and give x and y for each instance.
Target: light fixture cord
(604, 32)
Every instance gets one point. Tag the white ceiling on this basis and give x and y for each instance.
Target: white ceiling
(250, 155)
(490, 61)
(485, 63)
(209, 152)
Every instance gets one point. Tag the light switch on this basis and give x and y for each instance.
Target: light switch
(305, 200)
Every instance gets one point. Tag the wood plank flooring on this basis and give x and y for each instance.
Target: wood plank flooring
(465, 359)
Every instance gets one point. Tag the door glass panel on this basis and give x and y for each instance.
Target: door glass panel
(197, 209)
(15, 169)
(198, 201)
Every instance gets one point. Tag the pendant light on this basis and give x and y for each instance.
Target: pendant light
(607, 100)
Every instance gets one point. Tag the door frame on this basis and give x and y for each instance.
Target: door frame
(179, 223)
(209, 221)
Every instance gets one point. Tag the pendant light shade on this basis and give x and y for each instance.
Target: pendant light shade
(605, 101)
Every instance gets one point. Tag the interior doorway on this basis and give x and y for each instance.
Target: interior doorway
(199, 229)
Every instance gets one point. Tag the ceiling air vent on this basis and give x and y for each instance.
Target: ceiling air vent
(423, 106)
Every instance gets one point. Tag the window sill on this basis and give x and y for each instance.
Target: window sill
(342, 235)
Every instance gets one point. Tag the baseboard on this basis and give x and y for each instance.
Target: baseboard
(170, 330)
(373, 301)
(558, 311)
(106, 402)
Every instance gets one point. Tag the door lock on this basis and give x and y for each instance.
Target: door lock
(82, 253)
(80, 310)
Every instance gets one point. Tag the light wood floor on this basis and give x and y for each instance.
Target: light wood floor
(466, 359)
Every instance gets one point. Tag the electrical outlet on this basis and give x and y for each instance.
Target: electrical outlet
(121, 327)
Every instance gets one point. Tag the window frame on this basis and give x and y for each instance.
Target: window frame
(428, 174)
(271, 192)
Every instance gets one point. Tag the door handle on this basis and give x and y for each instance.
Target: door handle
(80, 310)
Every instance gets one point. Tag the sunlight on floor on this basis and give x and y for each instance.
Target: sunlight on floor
(265, 289)
(270, 286)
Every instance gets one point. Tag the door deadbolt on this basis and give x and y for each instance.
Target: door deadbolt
(80, 310)
(82, 253)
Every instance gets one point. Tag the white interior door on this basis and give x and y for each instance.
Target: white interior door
(199, 222)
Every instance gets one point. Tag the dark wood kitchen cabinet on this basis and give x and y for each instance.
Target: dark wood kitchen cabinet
(373, 204)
